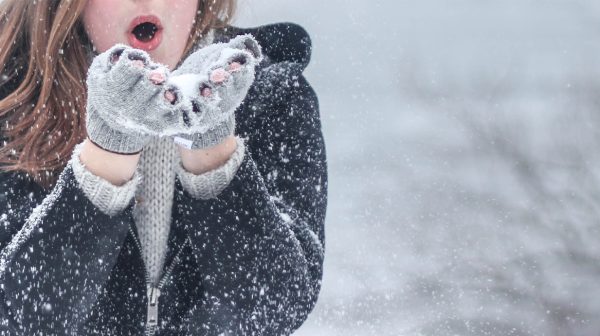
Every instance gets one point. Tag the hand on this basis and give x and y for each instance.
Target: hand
(128, 101)
(214, 81)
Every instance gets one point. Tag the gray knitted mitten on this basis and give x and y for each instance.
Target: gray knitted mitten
(214, 81)
(128, 100)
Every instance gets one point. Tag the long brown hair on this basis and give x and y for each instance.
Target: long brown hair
(43, 63)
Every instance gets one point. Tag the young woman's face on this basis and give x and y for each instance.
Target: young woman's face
(161, 27)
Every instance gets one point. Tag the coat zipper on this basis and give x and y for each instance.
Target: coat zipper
(153, 292)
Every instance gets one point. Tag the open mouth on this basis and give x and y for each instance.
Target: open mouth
(145, 32)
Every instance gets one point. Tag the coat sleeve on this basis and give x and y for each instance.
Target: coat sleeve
(260, 243)
(57, 251)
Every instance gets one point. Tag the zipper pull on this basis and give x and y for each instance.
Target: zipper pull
(153, 294)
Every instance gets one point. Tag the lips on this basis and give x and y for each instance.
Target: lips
(145, 32)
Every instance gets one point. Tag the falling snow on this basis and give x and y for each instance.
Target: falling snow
(462, 148)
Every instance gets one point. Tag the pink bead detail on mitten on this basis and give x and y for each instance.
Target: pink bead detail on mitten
(157, 77)
(138, 64)
(219, 76)
(206, 92)
(170, 96)
(235, 66)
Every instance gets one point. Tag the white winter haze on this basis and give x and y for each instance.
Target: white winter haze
(462, 140)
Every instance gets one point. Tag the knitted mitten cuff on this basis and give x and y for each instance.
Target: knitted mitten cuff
(212, 183)
(111, 138)
(108, 198)
(209, 138)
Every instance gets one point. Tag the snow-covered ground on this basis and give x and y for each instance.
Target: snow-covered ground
(463, 141)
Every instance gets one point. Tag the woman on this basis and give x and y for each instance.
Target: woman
(220, 233)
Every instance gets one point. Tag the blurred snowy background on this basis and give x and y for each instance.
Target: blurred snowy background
(463, 143)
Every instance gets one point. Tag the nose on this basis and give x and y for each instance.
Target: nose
(144, 2)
